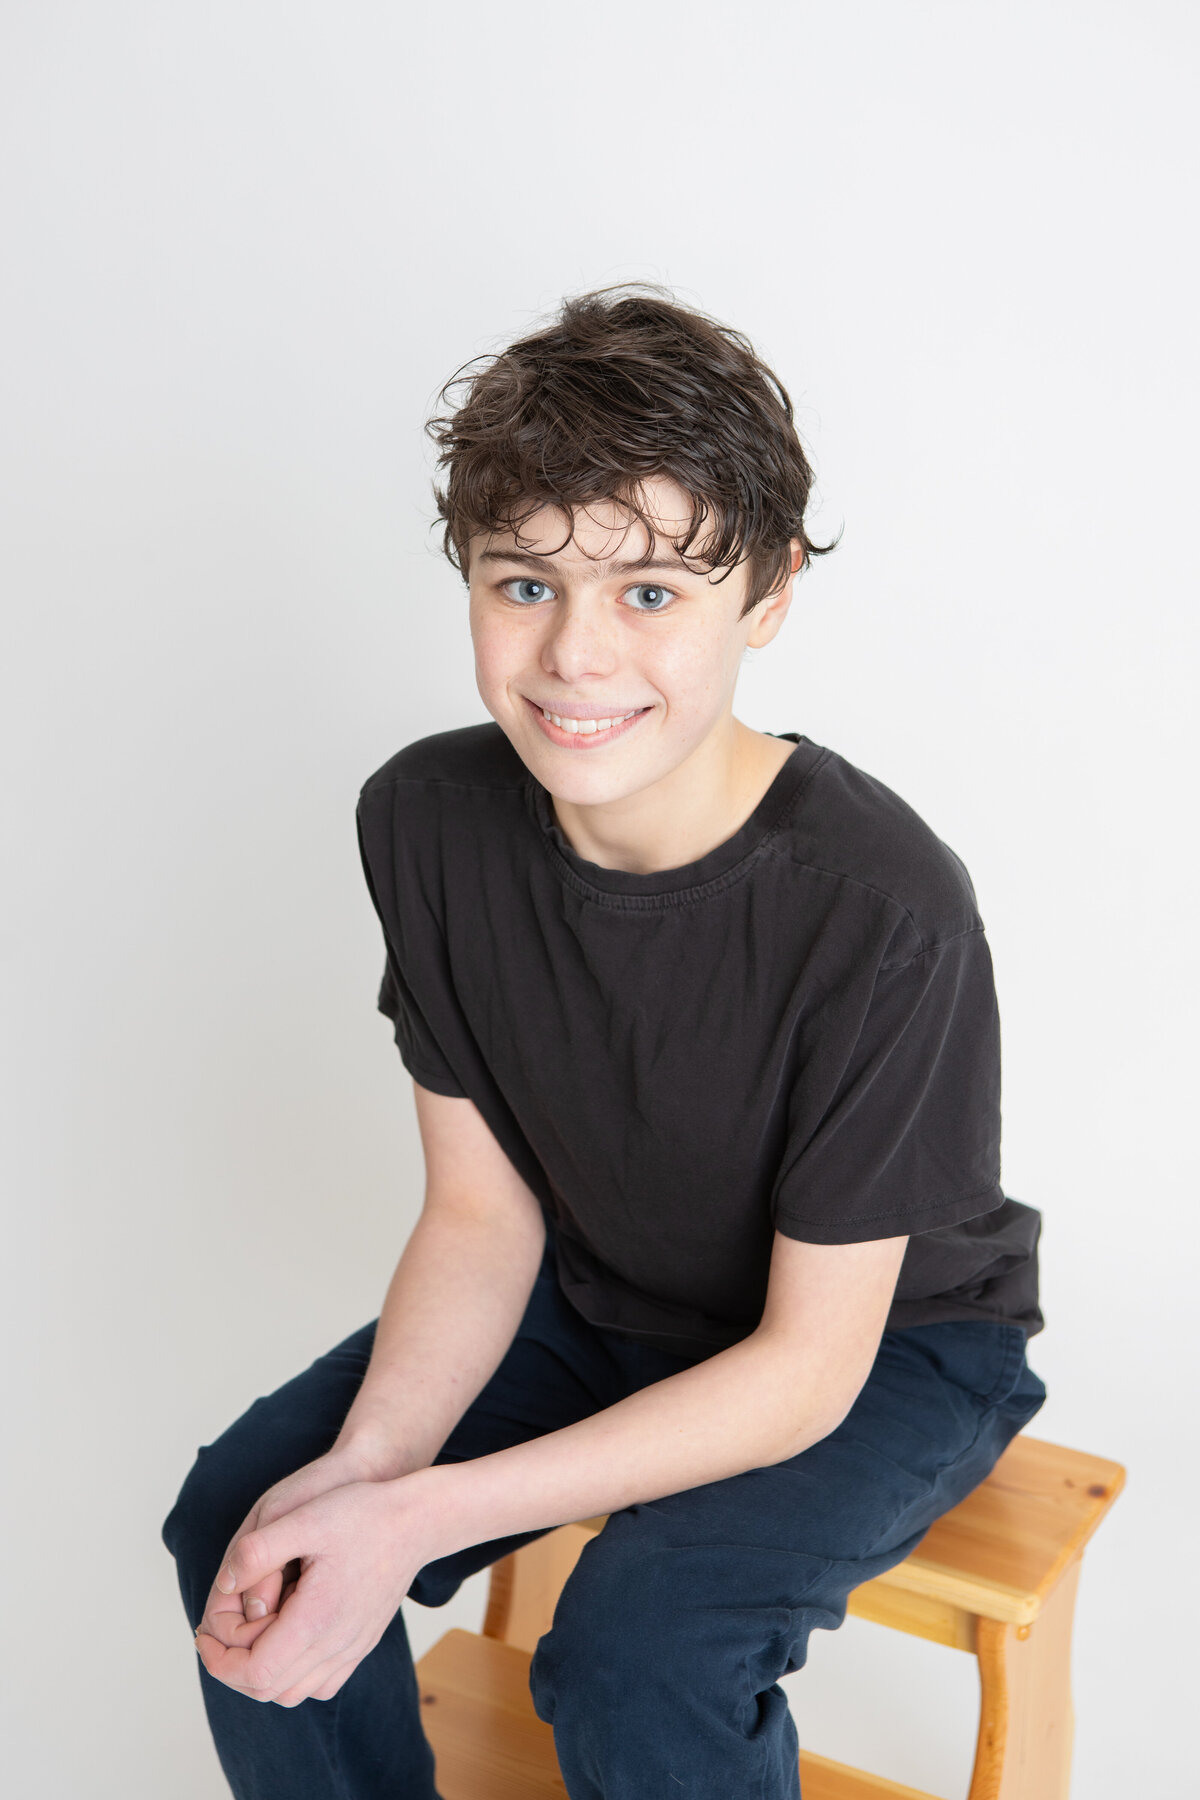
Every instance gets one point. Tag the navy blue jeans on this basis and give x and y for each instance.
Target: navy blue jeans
(660, 1674)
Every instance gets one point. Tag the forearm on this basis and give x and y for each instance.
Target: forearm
(451, 1311)
(743, 1408)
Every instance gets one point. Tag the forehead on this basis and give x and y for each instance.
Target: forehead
(602, 531)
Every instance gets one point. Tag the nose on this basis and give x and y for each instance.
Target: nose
(581, 639)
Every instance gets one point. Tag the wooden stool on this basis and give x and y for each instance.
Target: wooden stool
(996, 1576)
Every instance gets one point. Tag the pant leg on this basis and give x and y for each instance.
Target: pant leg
(319, 1749)
(660, 1674)
(366, 1743)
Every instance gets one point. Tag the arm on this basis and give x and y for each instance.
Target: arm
(457, 1296)
(767, 1398)
(451, 1311)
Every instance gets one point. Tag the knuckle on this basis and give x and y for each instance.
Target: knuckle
(244, 1688)
(247, 1559)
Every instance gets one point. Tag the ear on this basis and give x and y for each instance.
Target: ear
(770, 613)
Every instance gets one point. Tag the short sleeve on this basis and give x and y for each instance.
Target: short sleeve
(418, 1047)
(894, 1122)
(416, 1043)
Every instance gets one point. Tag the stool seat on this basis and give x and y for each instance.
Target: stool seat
(1001, 1551)
(995, 1576)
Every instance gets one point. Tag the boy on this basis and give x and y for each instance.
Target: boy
(705, 1049)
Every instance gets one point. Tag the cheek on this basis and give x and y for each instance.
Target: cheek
(699, 671)
(501, 647)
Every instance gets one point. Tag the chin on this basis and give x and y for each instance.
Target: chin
(583, 777)
(593, 787)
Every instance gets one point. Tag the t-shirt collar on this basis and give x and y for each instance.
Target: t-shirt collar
(717, 867)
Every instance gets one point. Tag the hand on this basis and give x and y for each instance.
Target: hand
(237, 1619)
(358, 1548)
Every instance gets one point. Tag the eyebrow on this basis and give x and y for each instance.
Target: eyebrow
(603, 570)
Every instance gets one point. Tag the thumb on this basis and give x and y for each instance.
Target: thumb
(268, 1550)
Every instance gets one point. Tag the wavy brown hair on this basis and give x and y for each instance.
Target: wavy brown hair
(624, 384)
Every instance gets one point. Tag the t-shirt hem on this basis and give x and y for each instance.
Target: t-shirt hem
(912, 1315)
(434, 1079)
(891, 1224)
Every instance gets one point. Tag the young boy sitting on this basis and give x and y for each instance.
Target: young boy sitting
(704, 1040)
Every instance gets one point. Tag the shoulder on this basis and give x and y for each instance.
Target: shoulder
(474, 756)
(850, 827)
(438, 813)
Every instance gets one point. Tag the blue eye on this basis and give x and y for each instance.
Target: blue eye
(653, 599)
(529, 592)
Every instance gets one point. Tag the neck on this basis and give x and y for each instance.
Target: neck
(698, 806)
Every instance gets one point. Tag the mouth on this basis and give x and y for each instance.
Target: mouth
(583, 734)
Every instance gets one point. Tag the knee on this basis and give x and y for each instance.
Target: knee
(641, 1614)
(191, 1509)
(276, 1435)
(605, 1623)
(210, 1506)
(637, 1612)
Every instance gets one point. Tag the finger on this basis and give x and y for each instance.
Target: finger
(223, 1617)
(267, 1551)
(306, 1635)
(219, 1602)
(321, 1683)
(235, 1632)
(235, 1665)
(322, 1680)
(226, 1663)
(226, 1621)
(248, 1524)
(270, 1657)
(337, 1681)
(267, 1597)
(264, 1597)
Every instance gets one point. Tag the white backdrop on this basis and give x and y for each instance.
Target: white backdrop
(242, 246)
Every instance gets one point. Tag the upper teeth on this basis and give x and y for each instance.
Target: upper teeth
(586, 725)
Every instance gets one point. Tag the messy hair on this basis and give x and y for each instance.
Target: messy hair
(626, 383)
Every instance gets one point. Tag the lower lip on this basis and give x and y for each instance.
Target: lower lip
(582, 740)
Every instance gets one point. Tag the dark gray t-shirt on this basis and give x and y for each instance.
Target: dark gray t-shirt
(797, 1032)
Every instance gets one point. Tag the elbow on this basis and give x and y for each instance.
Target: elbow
(826, 1409)
(818, 1424)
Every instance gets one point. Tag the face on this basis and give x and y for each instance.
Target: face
(607, 662)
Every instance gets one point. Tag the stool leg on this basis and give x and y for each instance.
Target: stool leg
(525, 1586)
(1026, 1720)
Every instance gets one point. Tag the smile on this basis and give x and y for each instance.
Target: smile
(583, 733)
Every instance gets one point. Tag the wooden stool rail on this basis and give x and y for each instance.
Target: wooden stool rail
(996, 1576)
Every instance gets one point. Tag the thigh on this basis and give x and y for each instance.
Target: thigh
(276, 1435)
(770, 1553)
(558, 1370)
(940, 1406)
(555, 1372)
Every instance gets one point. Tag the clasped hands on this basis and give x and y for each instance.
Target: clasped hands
(314, 1575)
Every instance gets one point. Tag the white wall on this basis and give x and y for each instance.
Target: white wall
(243, 244)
